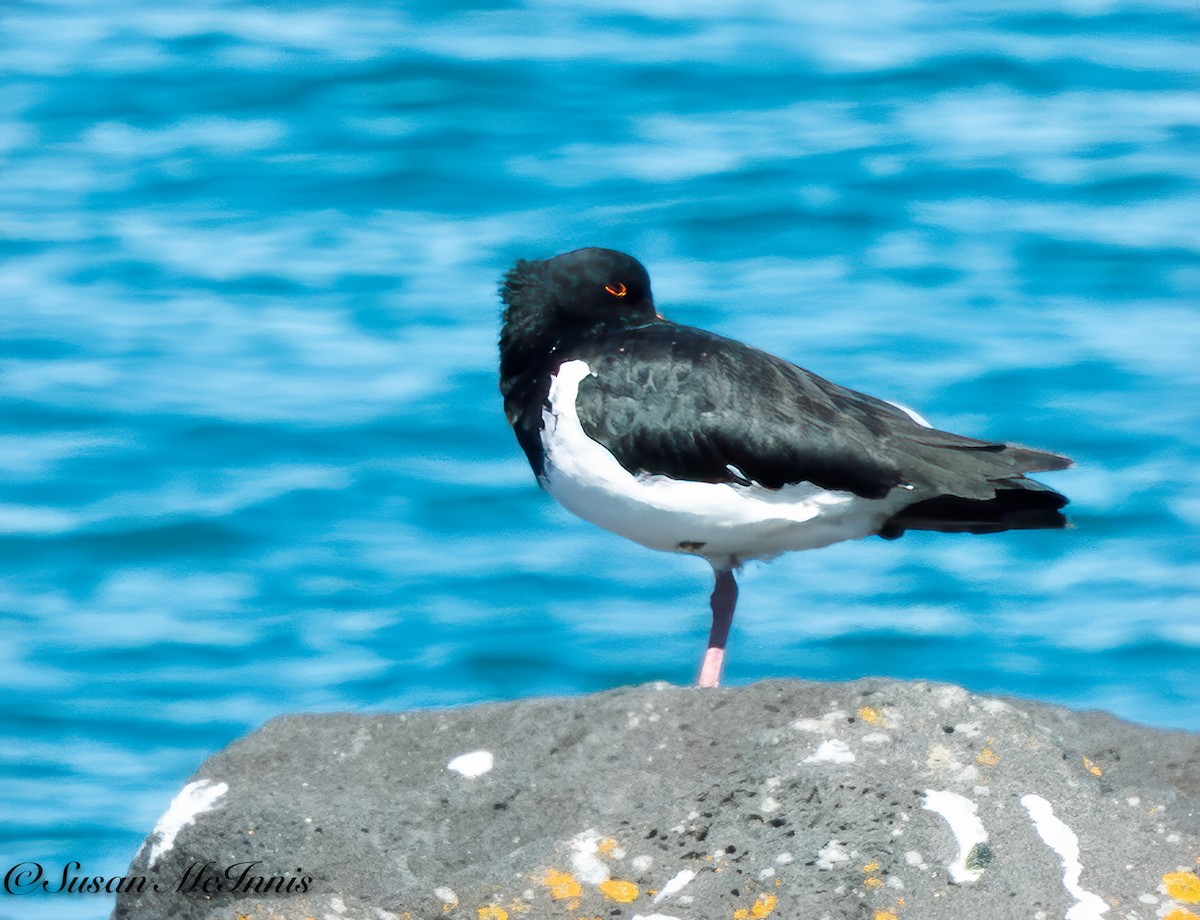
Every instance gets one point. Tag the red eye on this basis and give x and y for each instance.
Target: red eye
(617, 290)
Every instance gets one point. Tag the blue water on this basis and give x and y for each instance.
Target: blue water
(252, 455)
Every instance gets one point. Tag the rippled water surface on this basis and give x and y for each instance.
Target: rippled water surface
(252, 455)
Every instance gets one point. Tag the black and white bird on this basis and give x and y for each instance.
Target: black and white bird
(685, 441)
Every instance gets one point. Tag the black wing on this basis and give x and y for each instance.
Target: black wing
(689, 404)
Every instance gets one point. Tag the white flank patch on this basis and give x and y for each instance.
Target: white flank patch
(960, 814)
(676, 885)
(446, 895)
(832, 751)
(193, 800)
(1062, 840)
(663, 513)
(584, 860)
(472, 765)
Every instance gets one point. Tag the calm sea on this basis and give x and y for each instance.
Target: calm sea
(252, 456)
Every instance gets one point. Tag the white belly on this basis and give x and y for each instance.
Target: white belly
(710, 519)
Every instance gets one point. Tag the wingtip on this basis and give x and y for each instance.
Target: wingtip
(1032, 460)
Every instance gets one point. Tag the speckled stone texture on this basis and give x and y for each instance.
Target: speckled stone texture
(875, 799)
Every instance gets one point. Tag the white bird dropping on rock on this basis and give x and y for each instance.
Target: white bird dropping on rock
(472, 765)
(832, 751)
(675, 885)
(960, 814)
(193, 800)
(1060, 838)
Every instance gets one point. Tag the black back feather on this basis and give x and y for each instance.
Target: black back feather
(689, 404)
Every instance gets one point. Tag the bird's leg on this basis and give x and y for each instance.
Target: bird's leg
(723, 601)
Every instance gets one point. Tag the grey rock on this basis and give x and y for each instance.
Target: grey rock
(875, 799)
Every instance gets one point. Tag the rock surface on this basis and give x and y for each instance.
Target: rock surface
(875, 799)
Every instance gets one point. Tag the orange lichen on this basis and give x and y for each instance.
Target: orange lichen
(492, 912)
(874, 881)
(987, 757)
(763, 906)
(606, 847)
(562, 885)
(885, 915)
(617, 890)
(1183, 886)
(1092, 768)
(1181, 913)
(872, 716)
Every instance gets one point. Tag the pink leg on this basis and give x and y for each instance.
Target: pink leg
(723, 602)
(710, 670)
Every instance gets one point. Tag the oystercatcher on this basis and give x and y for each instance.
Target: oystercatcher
(685, 441)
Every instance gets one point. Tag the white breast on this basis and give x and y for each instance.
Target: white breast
(715, 520)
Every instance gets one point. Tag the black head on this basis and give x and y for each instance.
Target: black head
(582, 288)
(548, 302)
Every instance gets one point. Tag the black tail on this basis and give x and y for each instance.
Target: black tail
(1019, 504)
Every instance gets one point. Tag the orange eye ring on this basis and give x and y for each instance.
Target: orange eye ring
(617, 289)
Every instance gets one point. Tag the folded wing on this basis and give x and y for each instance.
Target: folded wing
(681, 402)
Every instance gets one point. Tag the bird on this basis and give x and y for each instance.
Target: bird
(689, 442)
